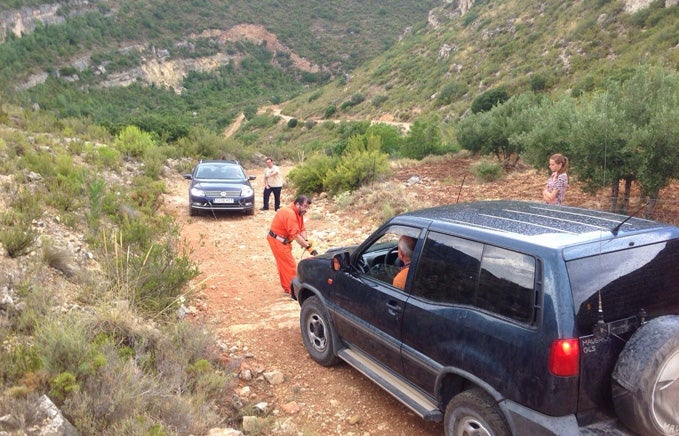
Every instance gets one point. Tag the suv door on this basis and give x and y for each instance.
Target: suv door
(471, 305)
(368, 309)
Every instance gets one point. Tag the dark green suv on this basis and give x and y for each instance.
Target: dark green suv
(516, 318)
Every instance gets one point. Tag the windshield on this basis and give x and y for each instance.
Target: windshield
(219, 172)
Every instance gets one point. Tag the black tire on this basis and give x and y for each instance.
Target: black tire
(317, 332)
(474, 413)
(192, 211)
(250, 211)
(645, 384)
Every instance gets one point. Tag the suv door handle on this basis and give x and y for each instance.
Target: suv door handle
(394, 308)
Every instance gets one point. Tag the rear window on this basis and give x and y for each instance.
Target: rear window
(645, 277)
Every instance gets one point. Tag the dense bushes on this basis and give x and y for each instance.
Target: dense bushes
(360, 164)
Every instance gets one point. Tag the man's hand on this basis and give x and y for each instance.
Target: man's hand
(310, 248)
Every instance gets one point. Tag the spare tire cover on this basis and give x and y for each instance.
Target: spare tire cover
(646, 379)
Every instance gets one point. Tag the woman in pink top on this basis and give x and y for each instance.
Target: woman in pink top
(557, 184)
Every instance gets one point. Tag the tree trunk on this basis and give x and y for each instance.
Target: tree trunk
(627, 193)
(615, 191)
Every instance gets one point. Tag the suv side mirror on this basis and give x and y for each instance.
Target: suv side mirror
(340, 261)
(252, 177)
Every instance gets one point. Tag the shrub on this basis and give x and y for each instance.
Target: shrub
(62, 385)
(450, 92)
(330, 111)
(315, 95)
(356, 169)
(488, 99)
(308, 177)
(488, 171)
(538, 83)
(17, 235)
(151, 280)
(133, 143)
(309, 124)
(379, 99)
(292, 123)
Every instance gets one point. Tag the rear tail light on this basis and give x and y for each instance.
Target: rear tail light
(564, 357)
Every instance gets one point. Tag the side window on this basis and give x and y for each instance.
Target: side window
(506, 285)
(380, 259)
(448, 269)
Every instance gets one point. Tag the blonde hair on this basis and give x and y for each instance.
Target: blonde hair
(560, 159)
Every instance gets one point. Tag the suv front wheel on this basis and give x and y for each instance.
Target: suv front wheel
(317, 332)
(474, 412)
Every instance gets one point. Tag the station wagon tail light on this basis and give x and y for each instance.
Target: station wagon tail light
(564, 357)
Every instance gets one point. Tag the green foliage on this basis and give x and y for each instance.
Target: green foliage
(390, 138)
(488, 171)
(17, 234)
(538, 83)
(329, 111)
(378, 100)
(309, 177)
(62, 386)
(450, 92)
(152, 279)
(292, 123)
(489, 99)
(362, 163)
(17, 360)
(423, 139)
(132, 142)
(496, 131)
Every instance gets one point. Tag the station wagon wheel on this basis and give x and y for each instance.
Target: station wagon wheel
(317, 332)
(474, 413)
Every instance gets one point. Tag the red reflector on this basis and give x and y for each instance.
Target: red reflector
(564, 357)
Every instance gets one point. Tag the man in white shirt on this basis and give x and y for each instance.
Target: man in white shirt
(273, 183)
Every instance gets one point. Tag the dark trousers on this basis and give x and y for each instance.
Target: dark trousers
(276, 197)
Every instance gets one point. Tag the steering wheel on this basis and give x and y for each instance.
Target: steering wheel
(393, 252)
(362, 265)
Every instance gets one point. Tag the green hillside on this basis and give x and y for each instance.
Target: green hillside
(75, 66)
(554, 47)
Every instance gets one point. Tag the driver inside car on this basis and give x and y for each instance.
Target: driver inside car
(406, 245)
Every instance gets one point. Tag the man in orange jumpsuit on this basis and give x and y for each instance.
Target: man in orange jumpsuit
(288, 226)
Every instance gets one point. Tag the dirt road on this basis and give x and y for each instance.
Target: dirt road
(238, 292)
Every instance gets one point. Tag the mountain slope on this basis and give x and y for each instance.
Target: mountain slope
(551, 46)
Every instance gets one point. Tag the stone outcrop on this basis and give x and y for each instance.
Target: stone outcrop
(632, 6)
(23, 21)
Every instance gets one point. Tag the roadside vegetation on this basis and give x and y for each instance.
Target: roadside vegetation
(109, 347)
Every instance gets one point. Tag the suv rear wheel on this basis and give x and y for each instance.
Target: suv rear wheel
(317, 333)
(646, 379)
(474, 412)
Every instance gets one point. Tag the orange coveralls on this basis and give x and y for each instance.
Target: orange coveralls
(287, 223)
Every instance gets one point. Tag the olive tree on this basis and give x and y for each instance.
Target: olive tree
(629, 133)
(497, 131)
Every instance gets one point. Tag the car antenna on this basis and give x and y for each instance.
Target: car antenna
(460, 190)
(616, 229)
